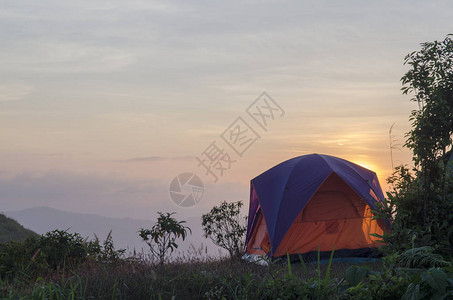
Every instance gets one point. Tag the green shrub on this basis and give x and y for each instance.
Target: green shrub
(422, 257)
(225, 226)
(162, 237)
(61, 248)
(22, 259)
(56, 250)
(433, 284)
(106, 251)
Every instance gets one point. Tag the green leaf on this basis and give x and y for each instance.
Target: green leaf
(356, 274)
(413, 293)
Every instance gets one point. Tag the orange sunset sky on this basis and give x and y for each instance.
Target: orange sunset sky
(103, 103)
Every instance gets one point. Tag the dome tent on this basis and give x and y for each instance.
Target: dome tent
(314, 202)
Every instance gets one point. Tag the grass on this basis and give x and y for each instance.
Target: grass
(138, 278)
(69, 267)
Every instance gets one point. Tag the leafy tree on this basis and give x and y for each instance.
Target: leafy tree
(430, 80)
(225, 226)
(162, 237)
(420, 204)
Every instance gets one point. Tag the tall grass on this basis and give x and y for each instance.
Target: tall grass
(194, 278)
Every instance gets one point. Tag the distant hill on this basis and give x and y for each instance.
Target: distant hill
(124, 230)
(11, 230)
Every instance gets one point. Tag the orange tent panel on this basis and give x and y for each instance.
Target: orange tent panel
(259, 244)
(334, 217)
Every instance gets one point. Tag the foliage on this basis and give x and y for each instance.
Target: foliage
(420, 203)
(70, 289)
(136, 278)
(225, 226)
(22, 259)
(162, 237)
(404, 209)
(422, 257)
(362, 283)
(433, 283)
(430, 79)
(106, 251)
(356, 274)
(61, 247)
(399, 283)
(54, 251)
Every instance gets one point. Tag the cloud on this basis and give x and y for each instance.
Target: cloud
(127, 79)
(106, 195)
(156, 159)
(76, 192)
(52, 56)
(12, 92)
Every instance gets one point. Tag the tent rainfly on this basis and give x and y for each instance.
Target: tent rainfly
(314, 202)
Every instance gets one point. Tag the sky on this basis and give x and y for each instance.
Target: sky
(103, 103)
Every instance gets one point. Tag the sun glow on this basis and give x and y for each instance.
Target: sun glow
(368, 165)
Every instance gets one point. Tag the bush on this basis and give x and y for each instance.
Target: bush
(420, 204)
(56, 250)
(162, 237)
(225, 226)
(61, 248)
(23, 259)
